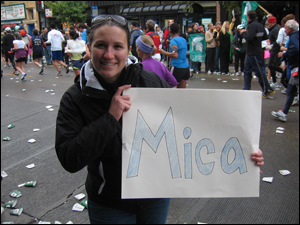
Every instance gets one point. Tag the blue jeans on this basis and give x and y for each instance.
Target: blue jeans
(155, 213)
(217, 68)
(47, 53)
(254, 63)
(195, 66)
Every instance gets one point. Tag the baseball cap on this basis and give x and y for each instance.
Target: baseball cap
(7, 29)
(23, 33)
(272, 19)
(241, 26)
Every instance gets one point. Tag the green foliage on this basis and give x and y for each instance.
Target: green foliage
(189, 5)
(232, 5)
(68, 11)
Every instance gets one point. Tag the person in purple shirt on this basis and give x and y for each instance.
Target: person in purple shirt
(145, 48)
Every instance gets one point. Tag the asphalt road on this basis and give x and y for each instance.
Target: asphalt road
(52, 198)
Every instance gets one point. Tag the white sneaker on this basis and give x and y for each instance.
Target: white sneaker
(237, 73)
(275, 85)
(209, 72)
(280, 115)
(242, 73)
(223, 73)
(284, 91)
(254, 76)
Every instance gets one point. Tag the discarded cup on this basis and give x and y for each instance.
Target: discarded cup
(78, 207)
(31, 140)
(36, 129)
(10, 126)
(15, 194)
(48, 106)
(30, 166)
(79, 196)
(16, 212)
(51, 90)
(11, 204)
(23, 90)
(44, 222)
(284, 172)
(268, 179)
(84, 203)
(6, 138)
(28, 184)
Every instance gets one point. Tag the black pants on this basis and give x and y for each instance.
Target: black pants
(211, 55)
(239, 57)
(10, 56)
(225, 61)
(284, 80)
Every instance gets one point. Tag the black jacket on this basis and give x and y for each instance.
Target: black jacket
(239, 41)
(255, 34)
(87, 135)
(273, 37)
(224, 42)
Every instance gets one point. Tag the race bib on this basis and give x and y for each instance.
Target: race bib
(294, 72)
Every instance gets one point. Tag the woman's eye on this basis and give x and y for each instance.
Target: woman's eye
(100, 45)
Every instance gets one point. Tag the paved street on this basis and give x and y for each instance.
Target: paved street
(52, 198)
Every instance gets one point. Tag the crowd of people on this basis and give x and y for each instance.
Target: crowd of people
(57, 47)
(107, 59)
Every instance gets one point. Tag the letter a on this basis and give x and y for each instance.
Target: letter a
(239, 159)
(143, 132)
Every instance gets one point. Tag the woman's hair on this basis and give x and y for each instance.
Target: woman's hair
(174, 28)
(223, 29)
(209, 25)
(192, 26)
(286, 18)
(110, 23)
(73, 34)
(18, 36)
(148, 41)
(35, 32)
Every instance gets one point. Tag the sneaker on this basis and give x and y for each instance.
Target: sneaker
(218, 73)
(209, 72)
(67, 69)
(296, 100)
(237, 73)
(231, 74)
(242, 73)
(254, 76)
(275, 85)
(59, 73)
(223, 73)
(42, 70)
(23, 77)
(227, 74)
(16, 73)
(268, 93)
(278, 74)
(280, 115)
(284, 91)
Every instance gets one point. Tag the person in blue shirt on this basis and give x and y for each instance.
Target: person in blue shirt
(179, 65)
(82, 29)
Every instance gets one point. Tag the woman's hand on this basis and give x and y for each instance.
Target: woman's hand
(258, 158)
(119, 103)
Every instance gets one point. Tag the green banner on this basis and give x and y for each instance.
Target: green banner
(247, 5)
(197, 47)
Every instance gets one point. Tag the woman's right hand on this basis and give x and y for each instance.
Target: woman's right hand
(120, 103)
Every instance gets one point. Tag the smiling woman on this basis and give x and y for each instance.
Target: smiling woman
(89, 125)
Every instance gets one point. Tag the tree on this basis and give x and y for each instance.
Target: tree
(232, 5)
(68, 11)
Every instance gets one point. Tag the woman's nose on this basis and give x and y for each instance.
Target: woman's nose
(109, 54)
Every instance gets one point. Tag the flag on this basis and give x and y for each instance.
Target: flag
(197, 47)
(247, 5)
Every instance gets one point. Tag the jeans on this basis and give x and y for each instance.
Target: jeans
(217, 68)
(155, 213)
(195, 66)
(47, 53)
(254, 63)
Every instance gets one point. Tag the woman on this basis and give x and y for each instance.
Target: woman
(195, 66)
(20, 49)
(179, 64)
(74, 49)
(211, 48)
(145, 48)
(36, 44)
(89, 124)
(225, 38)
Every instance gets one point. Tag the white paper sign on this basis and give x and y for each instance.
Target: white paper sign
(189, 143)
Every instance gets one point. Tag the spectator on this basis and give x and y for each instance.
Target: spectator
(274, 61)
(145, 49)
(239, 45)
(194, 65)
(55, 38)
(211, 47)
(36, 44)
(254, 61)
(135, 33)
(217, 59)
(292, 55)
(225, 38)
(155, 37)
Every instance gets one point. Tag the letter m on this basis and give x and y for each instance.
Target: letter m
(143, 132)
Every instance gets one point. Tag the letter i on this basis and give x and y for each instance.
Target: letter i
(187, 154)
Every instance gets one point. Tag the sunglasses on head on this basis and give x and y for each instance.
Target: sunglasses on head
(103, 18)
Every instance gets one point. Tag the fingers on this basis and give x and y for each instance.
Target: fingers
(258, 158)
(121, 89)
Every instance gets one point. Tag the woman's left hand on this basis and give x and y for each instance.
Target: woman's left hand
(258, 158)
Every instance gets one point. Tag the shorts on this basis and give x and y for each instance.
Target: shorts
(21, 60)
(180, 73)
(57, 55)
(76, 65)
(37, 56)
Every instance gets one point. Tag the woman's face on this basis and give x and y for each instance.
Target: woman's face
(195, 27)
(227, 25)
(109, 52)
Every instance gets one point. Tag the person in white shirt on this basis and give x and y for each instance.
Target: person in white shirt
(55, 38)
